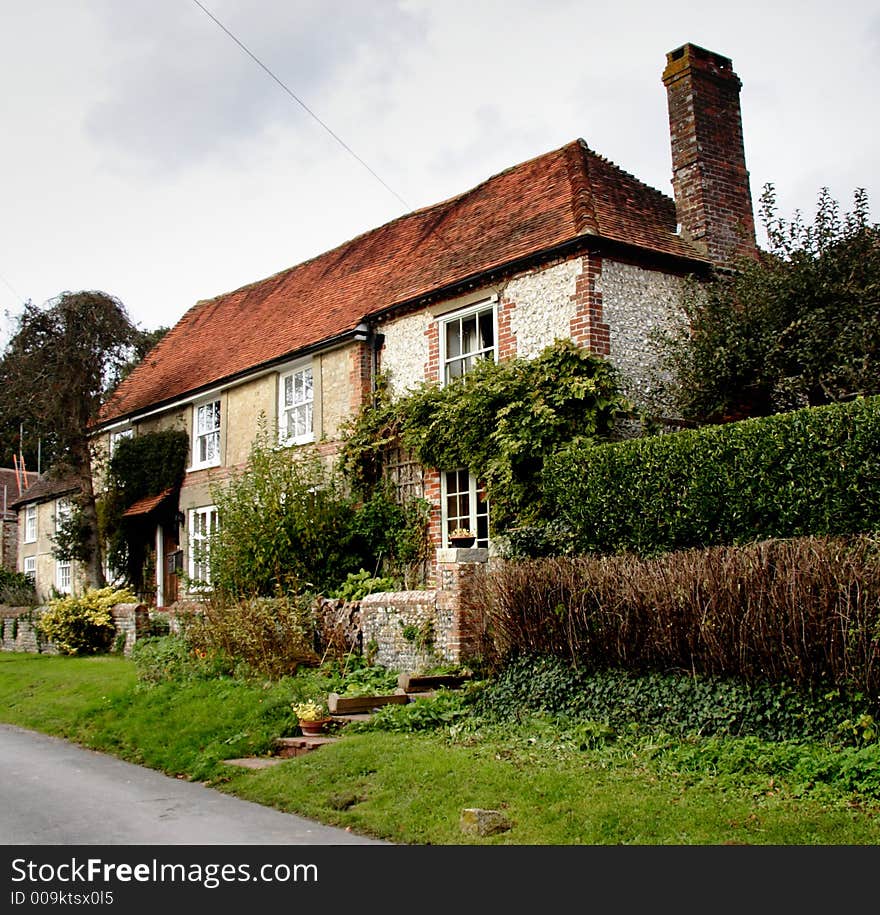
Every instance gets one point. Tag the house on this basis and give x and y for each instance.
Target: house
(13, 483)
(41, 510)
(564, 245)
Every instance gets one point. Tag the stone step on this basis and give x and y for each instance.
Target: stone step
(287, 747)
(254, 762)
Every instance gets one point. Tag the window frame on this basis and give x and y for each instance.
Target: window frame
(200, 564)
(475, 490)
(118, 436)
(31, 531)
(31, 561)
(64, 576)
(487, 304)
(284, 436)
(63, 510)
(197, 437)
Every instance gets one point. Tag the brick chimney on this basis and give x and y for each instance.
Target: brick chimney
(709, 177)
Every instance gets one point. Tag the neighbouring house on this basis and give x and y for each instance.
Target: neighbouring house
(565, 245)
(13, 483)
(41, 509)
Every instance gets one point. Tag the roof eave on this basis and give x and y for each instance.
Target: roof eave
(578, 244)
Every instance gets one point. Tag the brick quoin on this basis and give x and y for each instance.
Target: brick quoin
(435, 521)
(360, 376)
(432, 366)
(713, 200)
(506, 336)
(587, 327)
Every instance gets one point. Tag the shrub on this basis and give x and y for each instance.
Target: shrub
(271, 636)
(445, 709)
(805, 611)
(360, 584)
(288, 524)
(811, 472)
(170, 657)
(83, 624)
(16, 589)
(679, 704)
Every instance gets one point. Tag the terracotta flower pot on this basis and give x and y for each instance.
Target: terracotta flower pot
(312, 728)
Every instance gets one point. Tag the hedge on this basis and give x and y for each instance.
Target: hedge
(814, 471)
(804, 610)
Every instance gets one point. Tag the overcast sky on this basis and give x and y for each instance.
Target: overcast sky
(146, 155)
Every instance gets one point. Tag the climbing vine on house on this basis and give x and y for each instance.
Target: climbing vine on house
(500, 421)
(141, 466)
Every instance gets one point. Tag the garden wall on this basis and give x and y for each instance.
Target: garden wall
(20, 631)
(401, 630)
(410, 630)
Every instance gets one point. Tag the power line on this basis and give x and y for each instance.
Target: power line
(11, 288)
(301, 103)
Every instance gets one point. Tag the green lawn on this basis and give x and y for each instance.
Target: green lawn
(411, 788)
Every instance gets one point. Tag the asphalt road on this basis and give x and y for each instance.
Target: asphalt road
(56, 793)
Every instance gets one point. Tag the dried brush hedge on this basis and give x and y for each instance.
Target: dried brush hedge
(805, 610)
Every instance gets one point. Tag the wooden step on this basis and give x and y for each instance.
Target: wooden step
(416, 683)
(352, 705)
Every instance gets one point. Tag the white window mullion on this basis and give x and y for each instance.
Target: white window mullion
(467, 337)
(206, 434)
(296, 407)
(203, 524)
(464, 505)
(30, 524)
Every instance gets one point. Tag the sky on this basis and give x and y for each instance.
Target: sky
(145, 154)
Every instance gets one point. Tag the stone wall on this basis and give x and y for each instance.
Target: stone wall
(401, 630)
(638, 302)
(20, 632)
(9, 542)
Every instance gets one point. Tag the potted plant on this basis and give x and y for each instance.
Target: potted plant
(312, 716)
(461, 537)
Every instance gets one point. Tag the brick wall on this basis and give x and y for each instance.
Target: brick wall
(712, 195)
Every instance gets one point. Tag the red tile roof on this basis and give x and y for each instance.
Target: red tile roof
(147, 504)
(562, 196)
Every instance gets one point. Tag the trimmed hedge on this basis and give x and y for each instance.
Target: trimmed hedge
(814, 471)
(804, 611)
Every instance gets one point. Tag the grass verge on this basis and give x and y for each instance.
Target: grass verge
(555, 787)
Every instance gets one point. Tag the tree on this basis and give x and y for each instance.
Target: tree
(61, 363)
(800, 326)
(288, 524)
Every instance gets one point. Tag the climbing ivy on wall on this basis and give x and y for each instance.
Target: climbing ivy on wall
(500, 421)
(141, 466)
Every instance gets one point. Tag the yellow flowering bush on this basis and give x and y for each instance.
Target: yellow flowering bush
(309, 711)
(83, 624)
